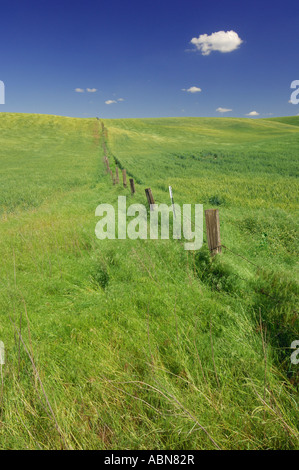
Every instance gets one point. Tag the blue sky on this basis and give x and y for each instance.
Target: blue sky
(141, 52)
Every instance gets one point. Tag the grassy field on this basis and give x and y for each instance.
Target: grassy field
(139, 344)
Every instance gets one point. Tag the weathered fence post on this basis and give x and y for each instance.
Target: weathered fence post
(132, 186)
(213, 231)
(124, 172)
(150, 197)
(116, 175)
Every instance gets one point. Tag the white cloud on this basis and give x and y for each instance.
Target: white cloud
(223, 110)
(253, 113)
(222, 41)
(79, 90)
(192, 89)
(114, 101)
(91, 90)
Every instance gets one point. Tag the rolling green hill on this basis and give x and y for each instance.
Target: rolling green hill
(290, 120)
(139, 344)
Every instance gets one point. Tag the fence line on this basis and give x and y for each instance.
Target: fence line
(212, 218)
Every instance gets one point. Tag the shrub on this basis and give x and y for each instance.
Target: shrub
(276, 302)
(213, 271)
(216, 200)
(100, 276)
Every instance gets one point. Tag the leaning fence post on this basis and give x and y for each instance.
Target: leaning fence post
(213, 231)
(116, 175)
(150, 197)
(132, 186)
(124, 172)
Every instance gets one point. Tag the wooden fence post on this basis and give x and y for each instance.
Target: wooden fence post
(132, 186)
(116, 175)
(150, 197)
(124, 172)
(213, 231)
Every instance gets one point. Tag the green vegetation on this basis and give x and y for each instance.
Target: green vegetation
(140, 344)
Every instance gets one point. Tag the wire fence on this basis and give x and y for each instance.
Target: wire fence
(225, 247)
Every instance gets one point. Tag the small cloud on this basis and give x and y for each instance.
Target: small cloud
(223, 110)
(222, 41)
(253, 113)
(192, 89)
(79, 90)
(91, 90)
(110, 101)
(120, 99)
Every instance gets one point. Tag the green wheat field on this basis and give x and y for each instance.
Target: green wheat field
(140, 344)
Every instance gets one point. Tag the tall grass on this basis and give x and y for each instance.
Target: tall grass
(140, 344)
